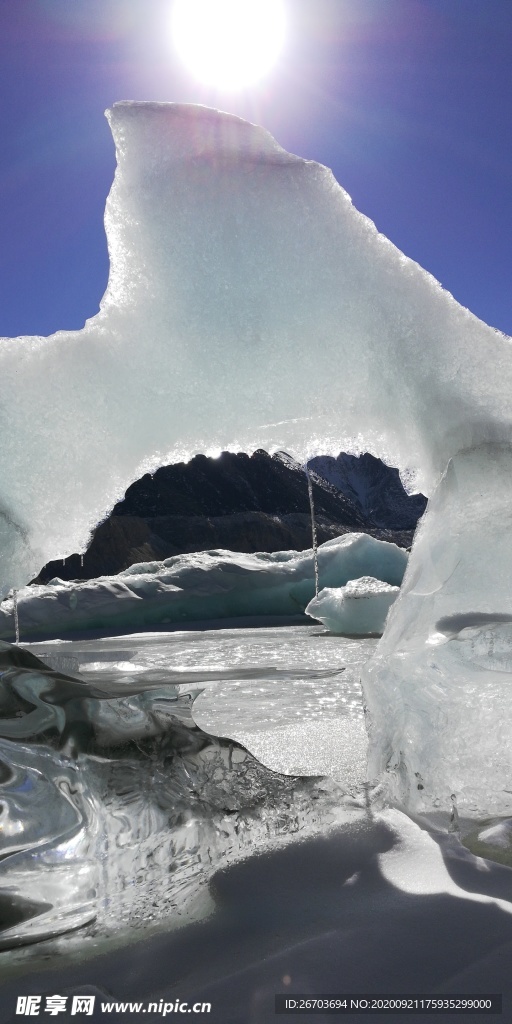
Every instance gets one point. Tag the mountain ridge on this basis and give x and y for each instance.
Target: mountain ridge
(239, 502)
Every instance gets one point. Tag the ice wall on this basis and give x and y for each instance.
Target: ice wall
(249, 304)
(439, 689)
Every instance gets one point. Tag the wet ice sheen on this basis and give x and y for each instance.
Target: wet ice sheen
(305, 724)
(117, 808)
(439, 688)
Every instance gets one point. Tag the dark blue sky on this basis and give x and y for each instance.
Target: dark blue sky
(409, 101)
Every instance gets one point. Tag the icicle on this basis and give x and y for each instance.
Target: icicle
(313, 527)
(81, 561)
(63, 561)
(454, 815)
(16, 620)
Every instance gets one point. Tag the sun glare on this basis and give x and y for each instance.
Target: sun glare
(228, 44)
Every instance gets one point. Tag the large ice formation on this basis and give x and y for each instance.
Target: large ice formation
(439, 687)
(249, 304)
(200, 587)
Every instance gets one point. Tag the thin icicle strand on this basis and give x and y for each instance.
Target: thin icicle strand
(16, 620)
(313, 527)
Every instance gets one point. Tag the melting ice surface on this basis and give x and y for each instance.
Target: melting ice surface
(117, 808)
(250, 305)
(442, 677)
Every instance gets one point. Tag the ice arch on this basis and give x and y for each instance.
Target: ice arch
(249, 304)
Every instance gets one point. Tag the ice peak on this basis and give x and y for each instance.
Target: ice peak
(184, 131)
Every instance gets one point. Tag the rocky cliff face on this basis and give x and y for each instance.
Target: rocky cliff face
(373, 488)
(238, 502)
(234, 484)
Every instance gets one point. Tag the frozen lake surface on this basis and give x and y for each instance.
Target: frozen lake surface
(290, 695)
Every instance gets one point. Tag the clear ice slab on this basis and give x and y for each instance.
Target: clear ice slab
(439, 687)
(120, 825)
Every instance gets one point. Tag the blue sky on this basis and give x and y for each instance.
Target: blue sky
(409, 102)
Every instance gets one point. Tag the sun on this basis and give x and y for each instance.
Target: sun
(228, 44)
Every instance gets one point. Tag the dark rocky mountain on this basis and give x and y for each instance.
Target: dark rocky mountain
(240, 502)
(233, 484)
(374, 489)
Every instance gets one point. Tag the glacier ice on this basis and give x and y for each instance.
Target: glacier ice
(199, 587)
(439, 688)
(361, 606)
(250, 305)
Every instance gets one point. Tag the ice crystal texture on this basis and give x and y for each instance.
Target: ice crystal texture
(250, 305)
(439, 687)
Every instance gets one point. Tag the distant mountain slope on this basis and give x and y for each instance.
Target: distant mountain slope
(373, 488)
(239, 502)
(232, 484)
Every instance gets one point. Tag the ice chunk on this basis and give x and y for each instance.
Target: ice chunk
(51, 839)
(200, 587)
(439, 688)
(249, 305)
(131, 836)
(498, 835)
(361, 606)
